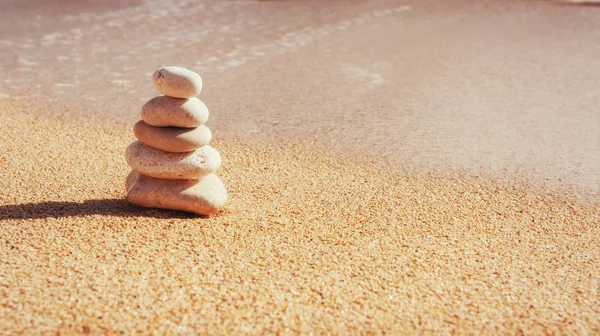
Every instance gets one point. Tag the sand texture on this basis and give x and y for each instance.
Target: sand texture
(309, 242)
(382, 160)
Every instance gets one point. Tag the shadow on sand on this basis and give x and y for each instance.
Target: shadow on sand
(108, 207)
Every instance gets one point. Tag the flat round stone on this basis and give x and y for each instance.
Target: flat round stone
(177, 82)
(163, 111)
(172, 139)
(204, 197)
(160, 164)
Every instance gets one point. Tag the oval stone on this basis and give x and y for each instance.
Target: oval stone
(163, 111)
(172, 139)
(177, 82)
(204, 197)
(160, 164)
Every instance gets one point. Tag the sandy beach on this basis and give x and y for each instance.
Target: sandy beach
(393, 167)
(308, 243)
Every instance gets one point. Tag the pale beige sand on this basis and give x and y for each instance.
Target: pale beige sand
(308, 243)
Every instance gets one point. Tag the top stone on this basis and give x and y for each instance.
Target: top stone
(177, 82)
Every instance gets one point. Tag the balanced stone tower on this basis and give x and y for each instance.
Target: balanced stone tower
(173, 166)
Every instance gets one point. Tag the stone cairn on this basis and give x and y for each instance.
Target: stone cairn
(173, 166)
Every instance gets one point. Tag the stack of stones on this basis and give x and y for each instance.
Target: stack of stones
(173, 166)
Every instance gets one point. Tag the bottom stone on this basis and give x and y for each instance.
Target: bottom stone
(204, 197)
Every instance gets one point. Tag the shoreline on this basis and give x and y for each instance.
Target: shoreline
(457, 84)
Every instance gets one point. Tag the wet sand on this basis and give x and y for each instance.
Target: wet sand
(497, 86)
(396, 167)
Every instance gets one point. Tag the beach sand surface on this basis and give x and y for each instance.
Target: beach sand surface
(397, 167)
(309, 242)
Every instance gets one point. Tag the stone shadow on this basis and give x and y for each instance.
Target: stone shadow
(108, 207)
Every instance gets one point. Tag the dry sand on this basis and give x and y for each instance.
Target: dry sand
(308, 243)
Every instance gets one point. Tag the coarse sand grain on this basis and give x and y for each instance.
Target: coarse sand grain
(309, 242)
